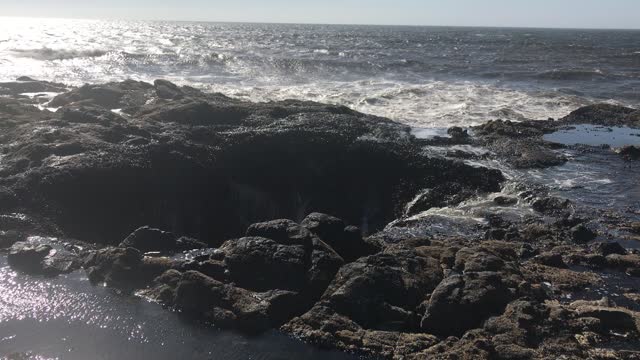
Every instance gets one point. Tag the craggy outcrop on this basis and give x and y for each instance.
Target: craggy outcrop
(256, 282)
(171, 194)
(207, 166)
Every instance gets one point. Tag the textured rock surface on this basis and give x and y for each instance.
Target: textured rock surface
(207, 166)
(191, 182)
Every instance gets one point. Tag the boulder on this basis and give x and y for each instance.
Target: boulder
(26, 84)
(582, 234)
(629, 152)
(347, 241)
(382, 291)
(148, 239)
(553, 206)
(280, 254)
(60, 262)
(505, 200)
(260, 264)
(608, 248)
(439, 196)
(223, 304)
(283, 231)
(600, 114)
(8, 238)
(124, 268)
(167, 90)
(611, 319)
(462, 302)
(550, 259)
(128, 93)
(28, 257)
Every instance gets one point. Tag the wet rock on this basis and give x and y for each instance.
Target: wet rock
(208, 166)
(608, 248)
(148, 239)
(60, 262)
(90, 115)
(345, 240)
(354, 303)
(505, 200)
(558, 278)
(582, 234)
(283, 231)
(28, 257)
(261, 263)
(520, 143)
(199, 113)
(124, 268)
(440, 196)
(290, 259)
(457, 132)
(128, 93)
(527, 251)
(40, 258)
(610, 318)
(186, 243)
(226, 305)
(629, 152)
(8, 238)
(629, 263)
(28, 85)
(550, 259)
(462, 302)
(601, 114)
(167, 90)
(553, 206)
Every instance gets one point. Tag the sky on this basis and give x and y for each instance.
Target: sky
(509, 13)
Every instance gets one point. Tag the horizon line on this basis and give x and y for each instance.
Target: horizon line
(317, 23)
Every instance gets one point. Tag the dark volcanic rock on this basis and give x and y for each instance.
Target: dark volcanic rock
(28, 257)
(520, 143)
(603, 114)
(347, 241)
(126, 94)
(461, 302)
(205, 166)
(550, 259)
(355, 293)
(261, 263)
(124, 268)
(290, 259)
(582, 234)
(440, 196)
(553, 206)
(255, 282)
(226, 305)
(28, 85)
(505, 200)
(208, 166)
(629, 152)
(608, 248)
(148, 239)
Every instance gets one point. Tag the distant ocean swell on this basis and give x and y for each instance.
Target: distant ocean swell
(432, 77)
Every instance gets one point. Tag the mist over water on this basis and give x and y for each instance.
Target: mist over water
(423, 76)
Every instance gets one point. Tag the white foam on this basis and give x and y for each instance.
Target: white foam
(245, 65)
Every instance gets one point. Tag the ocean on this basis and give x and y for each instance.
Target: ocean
(421, 76)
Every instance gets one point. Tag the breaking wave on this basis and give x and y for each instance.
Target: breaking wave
(418, 75)
(46, 53)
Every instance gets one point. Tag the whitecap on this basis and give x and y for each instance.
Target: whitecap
(46, 53)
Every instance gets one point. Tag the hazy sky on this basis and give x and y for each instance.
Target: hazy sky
(536, 13)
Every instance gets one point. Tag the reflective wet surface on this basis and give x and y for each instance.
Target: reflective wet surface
(68, 318)
(595, 135)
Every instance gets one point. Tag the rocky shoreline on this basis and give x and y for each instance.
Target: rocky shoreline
(218, 208)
